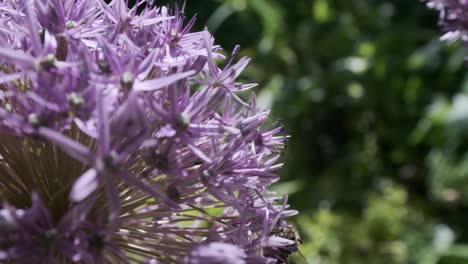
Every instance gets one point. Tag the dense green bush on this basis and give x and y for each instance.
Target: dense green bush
(377, 109)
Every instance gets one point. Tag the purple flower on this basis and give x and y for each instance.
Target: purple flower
(28, 234)
(453, 18)
(122, 141)
(217, 253)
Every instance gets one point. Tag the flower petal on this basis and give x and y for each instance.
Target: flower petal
(155, 84)
(70, 146)
(86, 184)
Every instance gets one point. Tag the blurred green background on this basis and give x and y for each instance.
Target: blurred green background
(377, 110)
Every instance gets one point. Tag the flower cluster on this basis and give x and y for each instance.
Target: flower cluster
(453, 18)
(123, 141)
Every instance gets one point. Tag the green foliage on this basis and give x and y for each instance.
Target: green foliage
(386, 231)
(377, 109)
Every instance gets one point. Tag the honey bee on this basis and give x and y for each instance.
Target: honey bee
(283, 254)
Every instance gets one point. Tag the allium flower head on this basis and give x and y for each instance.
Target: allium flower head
(453, 18)
(123, 141)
